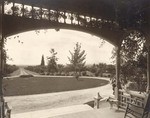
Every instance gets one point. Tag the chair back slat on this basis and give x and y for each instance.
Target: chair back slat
(147, 103)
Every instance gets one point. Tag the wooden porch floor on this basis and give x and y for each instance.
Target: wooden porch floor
(96, 113)
(76, 111)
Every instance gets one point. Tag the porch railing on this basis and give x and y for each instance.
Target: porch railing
(130, 97)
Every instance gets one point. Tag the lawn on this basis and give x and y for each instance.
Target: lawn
(38, 85)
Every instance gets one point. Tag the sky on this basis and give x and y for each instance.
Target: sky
(27, 48)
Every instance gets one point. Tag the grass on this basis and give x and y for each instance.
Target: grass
(38, 85)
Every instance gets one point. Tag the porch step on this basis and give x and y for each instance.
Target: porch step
(53, 112)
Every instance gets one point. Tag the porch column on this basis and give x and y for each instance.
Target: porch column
(1, 58)
(1, 40)
(117, 72)
(148, 69)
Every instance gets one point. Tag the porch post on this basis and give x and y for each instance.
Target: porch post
(1, 58)
(117, 72)
(148, 69)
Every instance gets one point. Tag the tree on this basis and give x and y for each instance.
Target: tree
(133, 57)
(52, 62)
(133, 14)
(98, 69)
(101, 69)
(77, 60)
(60, 68)
(93, 68)
(42, 61)
(111, 69)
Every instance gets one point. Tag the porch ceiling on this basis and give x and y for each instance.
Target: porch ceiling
(124, 12)
(97, 8)
(115, 10)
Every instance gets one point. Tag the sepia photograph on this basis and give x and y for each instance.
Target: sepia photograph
(74, 58)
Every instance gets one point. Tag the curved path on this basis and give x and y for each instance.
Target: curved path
(54, 100)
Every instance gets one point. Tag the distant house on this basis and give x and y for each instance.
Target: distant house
(106, 74)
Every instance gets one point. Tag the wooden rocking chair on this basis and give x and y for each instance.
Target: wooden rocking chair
(133, 110)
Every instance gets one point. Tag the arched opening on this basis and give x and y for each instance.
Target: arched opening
(29, 48)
